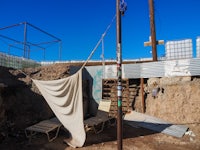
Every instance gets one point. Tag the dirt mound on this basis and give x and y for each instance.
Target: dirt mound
(21, 104)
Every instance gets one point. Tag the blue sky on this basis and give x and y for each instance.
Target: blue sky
(80, 24)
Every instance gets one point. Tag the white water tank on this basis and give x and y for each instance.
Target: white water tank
(198, 47)
(179, 49)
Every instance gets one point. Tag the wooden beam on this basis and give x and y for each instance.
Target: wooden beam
(149, 43)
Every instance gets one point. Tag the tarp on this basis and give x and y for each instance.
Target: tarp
(64, 97)
(149, 122)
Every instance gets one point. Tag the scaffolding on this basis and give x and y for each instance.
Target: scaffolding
(40, 39)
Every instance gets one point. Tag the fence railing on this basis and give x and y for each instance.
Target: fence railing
(16, 62)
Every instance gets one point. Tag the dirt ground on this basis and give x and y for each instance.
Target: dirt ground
(133, 139)
(21, 105)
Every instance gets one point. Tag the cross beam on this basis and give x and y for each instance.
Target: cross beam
(149, 43)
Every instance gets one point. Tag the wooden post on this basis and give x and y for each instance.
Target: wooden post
(152, 42)
(142, 92)
(153, 29)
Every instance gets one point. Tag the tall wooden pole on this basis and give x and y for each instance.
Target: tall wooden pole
(153, 30)
(152, 42)
(119, 75)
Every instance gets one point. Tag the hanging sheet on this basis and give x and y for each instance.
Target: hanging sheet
(64, 97)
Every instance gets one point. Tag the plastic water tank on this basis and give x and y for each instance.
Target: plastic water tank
(198, 47)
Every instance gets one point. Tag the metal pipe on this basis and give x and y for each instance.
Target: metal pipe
(18, 42)
(119, 76)
(28, 52)
(44, 31)
(10, 45)
(60, 50)
(32, 44)
(44, 54)
(18, 24)
(48, 42)
(8, 49)
(3, 36)
(25, 39)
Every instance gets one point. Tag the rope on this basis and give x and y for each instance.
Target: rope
(98, 43)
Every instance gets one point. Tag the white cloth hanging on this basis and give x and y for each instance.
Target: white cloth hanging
(64, 97)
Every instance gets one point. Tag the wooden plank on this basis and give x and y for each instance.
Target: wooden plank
(110, 90)
(160, 42)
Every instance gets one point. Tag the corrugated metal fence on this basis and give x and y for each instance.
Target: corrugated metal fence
(182, 67)
(168, 68)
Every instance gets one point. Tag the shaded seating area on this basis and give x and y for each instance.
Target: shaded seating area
(52, 126)
(49, 127)
(65, 98)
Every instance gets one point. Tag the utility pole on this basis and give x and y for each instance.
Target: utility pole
(152, 42)
(119, 76)
(153, 30)
(152, 39)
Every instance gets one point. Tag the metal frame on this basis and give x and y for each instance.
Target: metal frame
(27, 44)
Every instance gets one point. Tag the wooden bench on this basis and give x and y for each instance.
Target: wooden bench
(97, 123)
(48, 127)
